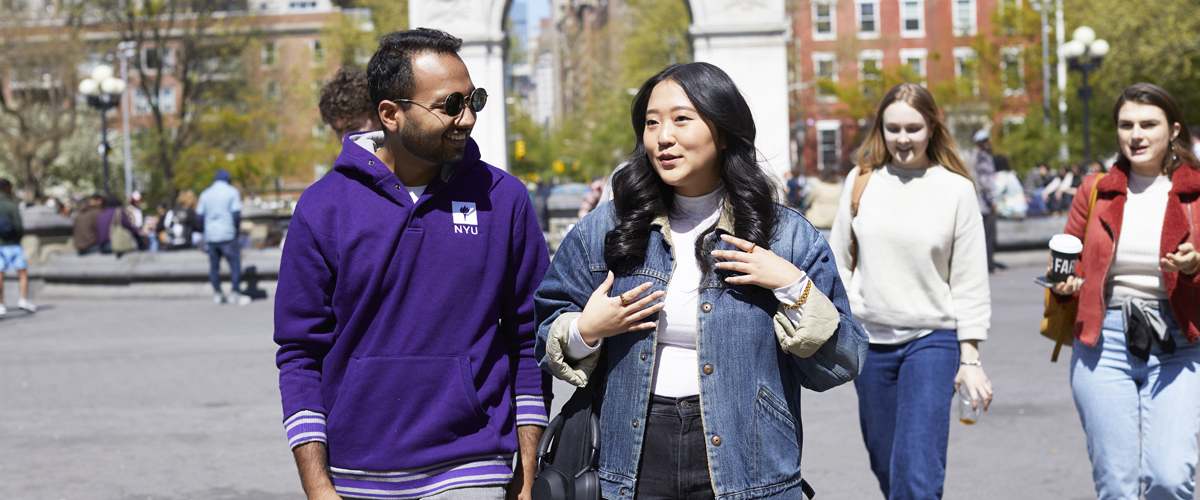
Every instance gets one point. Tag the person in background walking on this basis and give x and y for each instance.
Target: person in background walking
(345, 104)
(919, 284)
(703, 400)
(12, 256)
(592, 199)
(821, 205)
(794, 186)
(108, 224)
(985, 177)
(220, 207)
(1135, 368)
(84, 235)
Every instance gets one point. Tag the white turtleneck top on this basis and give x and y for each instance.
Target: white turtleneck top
(676, 369)
(1134, 271)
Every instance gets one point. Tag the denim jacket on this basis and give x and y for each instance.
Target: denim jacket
(750, 355)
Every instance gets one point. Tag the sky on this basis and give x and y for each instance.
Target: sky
(537, 10)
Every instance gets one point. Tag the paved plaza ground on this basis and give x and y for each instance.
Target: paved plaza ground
(161, 399)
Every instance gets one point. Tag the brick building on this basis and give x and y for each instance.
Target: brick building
(847, 41)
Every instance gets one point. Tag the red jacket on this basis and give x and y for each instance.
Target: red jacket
(1100, 245)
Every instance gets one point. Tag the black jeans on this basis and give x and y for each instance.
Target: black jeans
(674, 460)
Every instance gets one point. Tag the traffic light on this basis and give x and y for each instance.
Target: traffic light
(519, 150)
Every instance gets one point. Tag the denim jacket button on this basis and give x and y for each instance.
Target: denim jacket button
(643, 356)
(624, 491)
(716, 440)
(706, 307)
(708, 369)
(635, 424)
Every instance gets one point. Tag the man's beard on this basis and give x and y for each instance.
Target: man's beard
(427, 145)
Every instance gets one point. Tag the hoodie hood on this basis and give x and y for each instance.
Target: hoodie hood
(358, 160)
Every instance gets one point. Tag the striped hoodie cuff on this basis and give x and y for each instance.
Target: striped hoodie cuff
(531, 410)
(303, 427)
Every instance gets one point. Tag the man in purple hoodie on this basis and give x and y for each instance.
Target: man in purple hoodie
(404, 311)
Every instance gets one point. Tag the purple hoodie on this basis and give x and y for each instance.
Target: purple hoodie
(406, 330)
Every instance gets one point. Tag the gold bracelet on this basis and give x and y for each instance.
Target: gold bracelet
(803, 297)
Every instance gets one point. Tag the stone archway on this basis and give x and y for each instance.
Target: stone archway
(746, 38)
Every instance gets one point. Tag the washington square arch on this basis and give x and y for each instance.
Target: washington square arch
(746, 38)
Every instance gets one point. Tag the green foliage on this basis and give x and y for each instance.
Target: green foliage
(595, 134)
(354, 36)
(1158, 45)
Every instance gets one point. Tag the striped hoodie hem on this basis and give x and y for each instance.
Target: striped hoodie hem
(480, 471)
(304, 427)
(531, 410)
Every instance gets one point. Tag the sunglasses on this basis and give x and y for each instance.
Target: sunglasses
(455, 102)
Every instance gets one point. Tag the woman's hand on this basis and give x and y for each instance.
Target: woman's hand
(605, 316)
(1069, 287)
(1184, 259)
(760, 266)
(973, 376)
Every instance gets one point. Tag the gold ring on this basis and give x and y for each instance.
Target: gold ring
(624, 302)
(751, 250)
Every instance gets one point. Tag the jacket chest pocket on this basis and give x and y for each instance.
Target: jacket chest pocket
(628, 279)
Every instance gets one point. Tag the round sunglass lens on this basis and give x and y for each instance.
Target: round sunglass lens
(454, 104)
(478, 99)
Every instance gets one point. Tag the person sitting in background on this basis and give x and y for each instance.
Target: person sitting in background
(1010, 197)
(821, 204)
(84, 235)
(105, 227)
(1034, 181)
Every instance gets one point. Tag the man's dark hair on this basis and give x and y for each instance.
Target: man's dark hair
(390, 75)
(345, 100)
(5, 186)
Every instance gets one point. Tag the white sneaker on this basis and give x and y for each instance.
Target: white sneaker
(3, 310)
(26, 305)
(218, 299)
(239, 299)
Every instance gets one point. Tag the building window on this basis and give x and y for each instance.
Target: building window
(166, 102)
(318, 51)
(829, 147)
(870, 70)
(1011, 123)
(912, 18)
(269, 54)
(1012, 71)
(867, 12)
(966, 67)
(158, 59)
(964, 18)
(271, 91)
(824, 20)
(302, 5)
(1010, 16)
(915, 60)
(825, 69)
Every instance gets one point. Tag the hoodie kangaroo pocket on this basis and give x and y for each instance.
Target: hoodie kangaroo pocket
(407, 412)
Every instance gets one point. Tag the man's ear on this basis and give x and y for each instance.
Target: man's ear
(391, 116)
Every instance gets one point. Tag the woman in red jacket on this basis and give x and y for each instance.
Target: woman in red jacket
(1135, 371)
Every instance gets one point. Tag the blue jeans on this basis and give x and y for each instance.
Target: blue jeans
(1142, 418)
(904, 396)
(233, 255)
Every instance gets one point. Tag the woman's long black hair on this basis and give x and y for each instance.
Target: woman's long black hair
(639, 193)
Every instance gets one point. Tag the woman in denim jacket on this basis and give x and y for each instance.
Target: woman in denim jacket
(715, 306)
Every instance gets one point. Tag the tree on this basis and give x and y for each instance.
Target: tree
(37, 89)
(1158, 45)
(193, 47)
(354, 35)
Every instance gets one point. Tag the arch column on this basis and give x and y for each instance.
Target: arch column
(479, 23)
(748, 39)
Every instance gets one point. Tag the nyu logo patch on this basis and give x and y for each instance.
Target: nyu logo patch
(464, 213)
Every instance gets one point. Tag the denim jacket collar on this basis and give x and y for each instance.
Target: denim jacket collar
(662, 223)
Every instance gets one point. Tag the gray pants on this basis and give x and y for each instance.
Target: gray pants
(483, 493)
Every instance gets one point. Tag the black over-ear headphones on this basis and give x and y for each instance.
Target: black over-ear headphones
(564, 482)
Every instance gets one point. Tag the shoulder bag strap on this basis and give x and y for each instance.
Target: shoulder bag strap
(860, 185)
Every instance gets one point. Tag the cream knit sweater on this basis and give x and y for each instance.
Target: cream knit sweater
(922, 261)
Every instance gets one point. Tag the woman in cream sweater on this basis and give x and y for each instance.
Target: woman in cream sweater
(918, 283)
